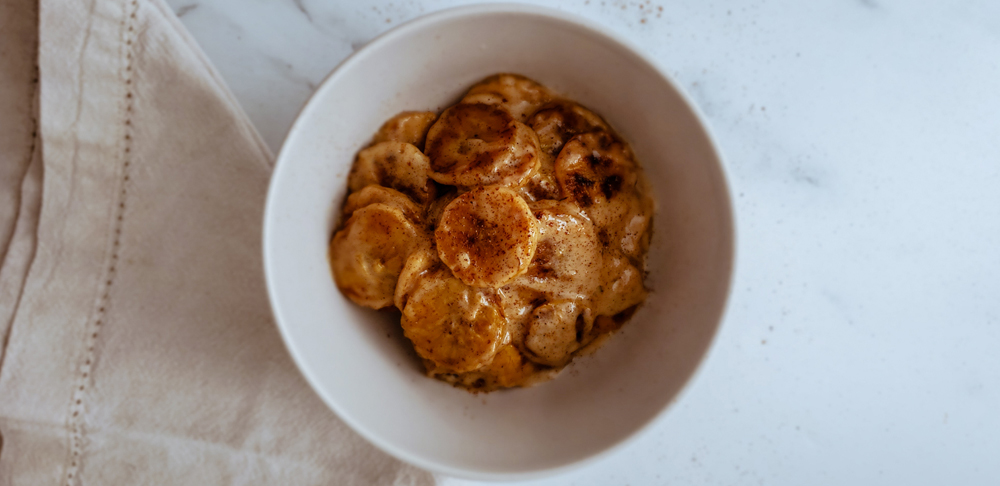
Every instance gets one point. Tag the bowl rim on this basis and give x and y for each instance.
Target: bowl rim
(419, 23)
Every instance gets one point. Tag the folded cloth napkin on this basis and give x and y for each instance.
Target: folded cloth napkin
(137, 342)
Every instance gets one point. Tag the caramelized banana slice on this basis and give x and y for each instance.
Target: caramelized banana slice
(368, 253)
(599, 173)
(555, 123)
(382, 195)
(477, 144)
(517, 302)
(457, 328)
(567, 262)
(436, 209)
(487, 236)
(555, 331)
(398, 165)
(621, 286)
(635, 231)
(558, 121)
(594, 167)
(417, 265)
(408, 126)
(509, 368)
(542, 184)
(516, 94)
(610, 324)
(624, 222)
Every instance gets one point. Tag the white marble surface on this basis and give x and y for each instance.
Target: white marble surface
(862, 139)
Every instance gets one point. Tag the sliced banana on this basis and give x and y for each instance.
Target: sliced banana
(598, 172)
(558, 121)
(383, 195)
(436, 208)
(594, 167)
(367, 255)
(542, 184)
(516, 303)
(487, 236)
(567, 262)
(554, 124)
(635, 232)
(624, 222)
(408, 126)
(609, 324)
(457, 328)
(509, 368)
(516, 94)
(397, 165)
(555, 331)
(419, 263)
(479, 145)
(621, 286)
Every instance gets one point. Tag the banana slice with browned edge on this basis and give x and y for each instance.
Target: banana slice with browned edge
(509, 368)
(624, 222)
(367, 255)
(567, 262)
(436, 208)
(598, 172)
(397, 165)
(594, 167)
(383, 195)
(558, 121)
(419, 263)
(514, 93)
(542, 184)
(554, 124)
(456, 327)
(556, 329)
(480, 145)
(487, 236)
(408, 126)
(621, 287)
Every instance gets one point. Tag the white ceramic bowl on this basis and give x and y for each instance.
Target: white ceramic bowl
(357, 359)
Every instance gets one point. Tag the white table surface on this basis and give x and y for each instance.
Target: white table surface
(862, 142)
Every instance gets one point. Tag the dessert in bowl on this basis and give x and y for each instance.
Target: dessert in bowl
(510, 230)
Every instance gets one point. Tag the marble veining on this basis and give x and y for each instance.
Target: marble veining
(860, 139)
(183, 10)
(299, 4)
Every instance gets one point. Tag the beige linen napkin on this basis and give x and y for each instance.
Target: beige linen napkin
(138, 346)
(20, 188)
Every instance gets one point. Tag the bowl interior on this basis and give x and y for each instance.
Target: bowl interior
(357, 359)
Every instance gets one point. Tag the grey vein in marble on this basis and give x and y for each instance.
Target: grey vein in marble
(184, 9)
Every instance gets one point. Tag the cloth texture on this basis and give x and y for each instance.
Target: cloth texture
(137, 342)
